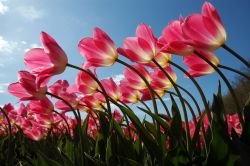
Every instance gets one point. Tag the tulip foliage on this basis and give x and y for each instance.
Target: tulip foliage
(48, 127)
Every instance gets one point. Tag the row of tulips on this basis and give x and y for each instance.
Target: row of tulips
(99, 138)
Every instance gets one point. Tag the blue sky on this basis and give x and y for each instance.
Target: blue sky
(69, 21)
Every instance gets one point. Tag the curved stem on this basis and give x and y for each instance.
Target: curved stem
(182, 103)
(67, 103)
(151, 91)
(146, 82)
(192, 97)
(8, 121)
(189, 106)
(235, 54)
(98, 82)
(228, 85)
(163, 104)
(234, 70)
(67, 124)
(145, 105)
(204, 100)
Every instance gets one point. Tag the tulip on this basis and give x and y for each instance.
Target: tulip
(128, 94)
(99, 50)
(134, 80)
(86, 84)
(111, 88)
(43, 106)
(143, 48)
(47, 61)
(26, 87)
(91, 102)
(173, 40)
(58, 87)
(197, 66)
(206, 30)
(160, 80)
(233, 123)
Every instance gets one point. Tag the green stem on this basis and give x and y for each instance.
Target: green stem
(145, 105)
(199, 111)
(182, 103)
(10, 136)
(189, 106)
(151, 91)
(234, 70)
(204, 100)
(67, 103)
(67, 124)
(99, 83)
(8, 121)
(146, 82)
(235, 54)
(228, 85)
(192, 97)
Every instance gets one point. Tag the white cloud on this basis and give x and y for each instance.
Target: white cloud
(3, 8)
(30, 13)
(7, 46)
(33, 45)
(3, 87)
(118, 78)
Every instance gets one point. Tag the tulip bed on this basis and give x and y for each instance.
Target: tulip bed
(49, 129)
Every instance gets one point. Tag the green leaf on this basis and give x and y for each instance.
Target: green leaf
(149, 142)
(108, 154)
(151, 128)
(196, 133)
(155, 117)
(43, 160)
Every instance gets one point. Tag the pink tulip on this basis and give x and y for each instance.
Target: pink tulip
(205, 31)
(91, 103)
(34, 133)
(26, 87)
(233, 123)
(43, 106)
(134, 80)
(147, 96)
(173, 40)
(71, 98)
(111, 88)
(161, 58)
(128, 94)
(60, 86)
(143, 48)
(197, 66)
(160, 80)
(86, 84)
(99, 50)
(117, 116)
(47, 61)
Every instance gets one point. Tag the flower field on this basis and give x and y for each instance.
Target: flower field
(48, 126)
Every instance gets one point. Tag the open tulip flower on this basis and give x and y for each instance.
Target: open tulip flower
(86, 84)
(47, 61)
(142, 48)
(111, 88)
(43, 106)
(197, 66)
(160, 80)
(99, 50)
(26, 87)
(205, 30)
(134, 80)
(128, 94)
(173, 39)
